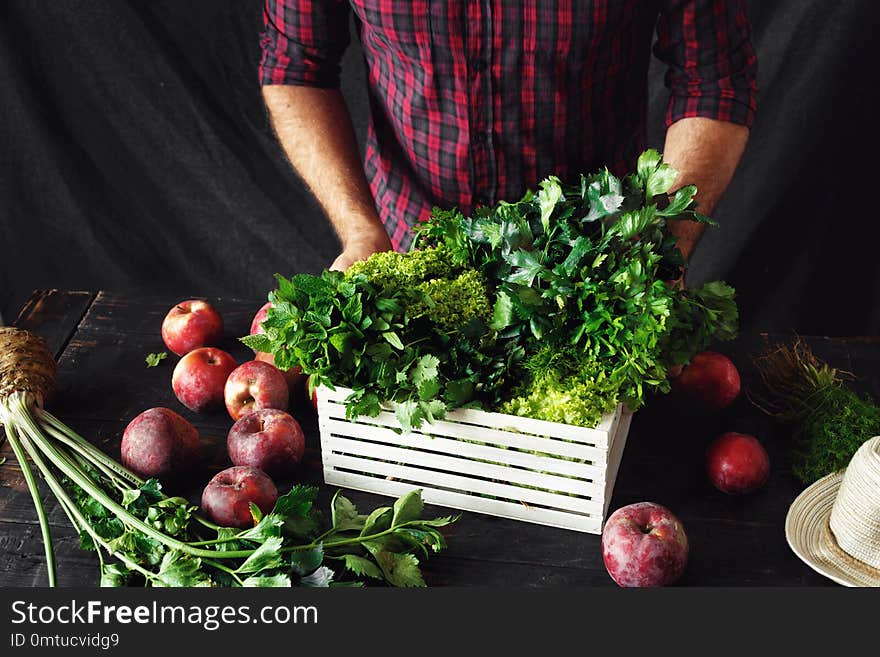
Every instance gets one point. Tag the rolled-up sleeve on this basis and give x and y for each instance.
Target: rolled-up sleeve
(303, 42)
(712, 64)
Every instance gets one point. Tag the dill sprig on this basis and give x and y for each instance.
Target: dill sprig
(831, 421)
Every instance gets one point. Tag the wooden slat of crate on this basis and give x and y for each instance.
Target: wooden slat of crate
(591, 523)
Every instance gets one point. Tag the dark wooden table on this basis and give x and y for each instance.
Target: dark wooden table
(100, 341)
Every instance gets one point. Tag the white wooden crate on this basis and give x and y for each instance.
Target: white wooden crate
(478, 461)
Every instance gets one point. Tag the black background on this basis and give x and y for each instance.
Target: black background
(135, 155)
(494, 621)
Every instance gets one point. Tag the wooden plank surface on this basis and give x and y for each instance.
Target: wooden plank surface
(54, 315)
(104, 382)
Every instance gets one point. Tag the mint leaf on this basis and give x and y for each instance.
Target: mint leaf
(261, 343)
(393, 339)
(458, 393)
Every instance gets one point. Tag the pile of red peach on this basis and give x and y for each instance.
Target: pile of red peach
(265, 441)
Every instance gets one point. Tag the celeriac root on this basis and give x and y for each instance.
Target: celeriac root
(27, 376)
(26, 365)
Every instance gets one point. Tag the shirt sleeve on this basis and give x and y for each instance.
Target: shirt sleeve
(303, 42)
(712, 64)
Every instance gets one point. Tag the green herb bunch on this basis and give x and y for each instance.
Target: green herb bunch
(831, 421)
(391, 328)
(284, 548)
(557, 306)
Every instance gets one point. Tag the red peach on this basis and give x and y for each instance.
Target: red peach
(259, 318)
(644, 544)
(199, 378)
(253, 386)
(709, 382)
(293, 376)
(191, 324)
(228, 496)
(269, 439)
(737, 463)
(159, 443)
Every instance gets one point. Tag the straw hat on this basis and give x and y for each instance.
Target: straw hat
(834, 525)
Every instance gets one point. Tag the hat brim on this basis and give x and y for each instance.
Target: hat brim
(805, 531)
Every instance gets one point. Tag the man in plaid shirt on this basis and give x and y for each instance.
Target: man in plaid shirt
(474, 101)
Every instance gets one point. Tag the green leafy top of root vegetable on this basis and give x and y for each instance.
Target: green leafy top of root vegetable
(556, 306)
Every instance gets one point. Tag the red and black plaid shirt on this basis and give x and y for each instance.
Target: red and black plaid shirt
(476, 100)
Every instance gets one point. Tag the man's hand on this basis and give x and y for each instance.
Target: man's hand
(360, 247)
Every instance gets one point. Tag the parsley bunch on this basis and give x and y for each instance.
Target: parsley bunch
(159, 541)
(556, 306)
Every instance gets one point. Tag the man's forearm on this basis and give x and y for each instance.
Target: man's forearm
(314, 128)
(706, 153)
